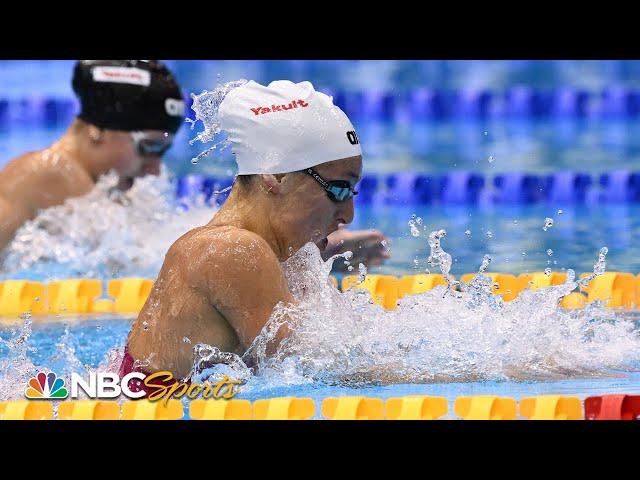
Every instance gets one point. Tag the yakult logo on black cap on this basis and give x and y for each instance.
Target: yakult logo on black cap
(132, 76)
(353, 137)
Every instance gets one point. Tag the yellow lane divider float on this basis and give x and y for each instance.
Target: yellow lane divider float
(128, 295)
(19, 296)
(73, 296)
(485, 408)
(26, 410)
(551, 407)
(411, 407)
(353, 408)
(89, 410)
(220, 410)
(416, 407)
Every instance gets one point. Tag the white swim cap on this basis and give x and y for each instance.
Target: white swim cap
(285, 127)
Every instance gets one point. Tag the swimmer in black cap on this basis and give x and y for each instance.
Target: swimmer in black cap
(130, 111)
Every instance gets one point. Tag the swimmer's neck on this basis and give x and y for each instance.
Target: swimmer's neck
(253, 215)
(75, 145)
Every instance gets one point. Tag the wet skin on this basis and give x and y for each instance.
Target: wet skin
(68, 168)
(219, 283)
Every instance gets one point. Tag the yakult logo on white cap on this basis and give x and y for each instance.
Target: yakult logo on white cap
(284, 127)
(279, 108)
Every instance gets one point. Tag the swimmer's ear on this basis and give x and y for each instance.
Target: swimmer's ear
(271, 183)
(95, 134)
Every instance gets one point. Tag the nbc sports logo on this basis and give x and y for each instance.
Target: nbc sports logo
(44, 386)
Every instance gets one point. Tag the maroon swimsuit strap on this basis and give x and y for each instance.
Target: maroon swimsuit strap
(136, 385)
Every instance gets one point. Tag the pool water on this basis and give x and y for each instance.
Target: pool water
(79, 345)
(512, 235)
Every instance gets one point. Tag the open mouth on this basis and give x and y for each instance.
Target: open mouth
(322, 244)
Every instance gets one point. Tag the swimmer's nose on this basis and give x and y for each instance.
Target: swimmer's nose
(345, 214)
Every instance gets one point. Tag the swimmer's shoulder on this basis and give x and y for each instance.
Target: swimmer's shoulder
(214, 252)
(39, 174)
(222, 241)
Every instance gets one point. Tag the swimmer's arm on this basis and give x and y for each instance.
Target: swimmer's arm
(245, 282)
(12, 216)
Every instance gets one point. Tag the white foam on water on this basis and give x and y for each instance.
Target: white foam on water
(106, 233)
(437, 336)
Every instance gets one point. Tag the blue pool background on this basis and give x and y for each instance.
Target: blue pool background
(486, 117)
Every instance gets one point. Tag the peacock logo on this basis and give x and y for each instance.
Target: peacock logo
(46, 385)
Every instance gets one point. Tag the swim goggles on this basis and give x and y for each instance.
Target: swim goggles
(337, 190)
(147, 146)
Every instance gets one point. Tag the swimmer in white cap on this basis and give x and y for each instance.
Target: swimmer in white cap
(299, 159)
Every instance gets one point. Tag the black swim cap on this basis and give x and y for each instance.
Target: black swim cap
(128, 95)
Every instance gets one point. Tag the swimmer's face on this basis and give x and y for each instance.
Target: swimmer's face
(309, 214)
(126, 158)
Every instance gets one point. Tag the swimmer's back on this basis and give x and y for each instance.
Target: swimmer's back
(217, 286)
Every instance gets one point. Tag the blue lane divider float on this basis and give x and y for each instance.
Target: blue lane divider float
(418, 104)
(568, 186)
(460, 187)
(50, 111)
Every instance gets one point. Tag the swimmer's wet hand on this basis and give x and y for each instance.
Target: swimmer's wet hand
(368, 246)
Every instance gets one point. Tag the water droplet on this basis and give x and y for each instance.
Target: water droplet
(467, 233)
(414, 230)
(362, 272)
(515, 221)
(524, 254)
(350, 268)
(599, 267)
(560, 212)
(548, 223)
(547, 272)
(186, 340)
(486, 260)
(194, 161)
(549, 252)
(489, 234)
(490, 159)
(486, 133)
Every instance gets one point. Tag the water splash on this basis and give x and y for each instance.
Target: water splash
(344, 338)
(206, 106)
(15, 367)
(129, 236)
